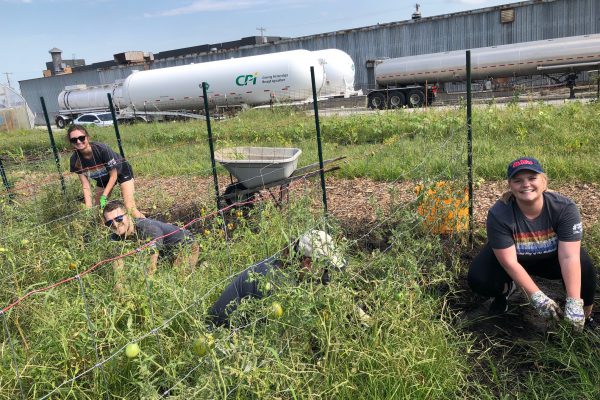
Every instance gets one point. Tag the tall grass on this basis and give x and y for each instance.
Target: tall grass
(410, 347)
(562, 137)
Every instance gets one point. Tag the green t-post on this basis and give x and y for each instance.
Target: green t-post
(115, 124)
(54, 149)
(319, 147)
(470, 146)
(210, 142)
(5, 181)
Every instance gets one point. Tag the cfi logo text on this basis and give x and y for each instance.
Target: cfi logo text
(244, 80)
(577, 228)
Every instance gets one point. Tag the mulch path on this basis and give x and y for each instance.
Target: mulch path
(354, 202)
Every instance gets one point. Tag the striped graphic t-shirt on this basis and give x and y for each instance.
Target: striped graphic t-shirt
(533, 243)
(538, 238)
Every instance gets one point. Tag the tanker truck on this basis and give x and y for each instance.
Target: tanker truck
(412, 81)
(176, 91)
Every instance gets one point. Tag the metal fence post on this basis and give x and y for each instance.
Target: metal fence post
(5, 181)
(210, 142)
(226, 232)
(54, 149)
(115, 124)
(470, 146)
(319, 147)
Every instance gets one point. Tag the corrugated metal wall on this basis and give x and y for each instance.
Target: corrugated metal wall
(534, 20)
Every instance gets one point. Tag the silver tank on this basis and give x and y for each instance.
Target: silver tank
(82, 97)
(529, 58)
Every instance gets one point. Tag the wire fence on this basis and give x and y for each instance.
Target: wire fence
(97, 338)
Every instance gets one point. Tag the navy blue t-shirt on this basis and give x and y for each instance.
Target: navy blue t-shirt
(534, 239)
(244, 286)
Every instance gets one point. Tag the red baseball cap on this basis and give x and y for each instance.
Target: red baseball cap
(523, 163)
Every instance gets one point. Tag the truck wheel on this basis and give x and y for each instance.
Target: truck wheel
(416, 98)
(397, 99)
(377, 101)
(60, 123)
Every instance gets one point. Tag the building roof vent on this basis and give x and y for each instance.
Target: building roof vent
(57, 63)
(507, 15)
(417, 13)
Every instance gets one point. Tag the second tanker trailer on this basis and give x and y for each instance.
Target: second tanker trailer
(402, 81)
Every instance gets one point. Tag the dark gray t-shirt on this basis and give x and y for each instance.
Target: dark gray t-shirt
(98, 167)
(149, 229)
(535, 239)
(246, 285)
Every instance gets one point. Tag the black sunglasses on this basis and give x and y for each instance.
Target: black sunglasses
(75, 139)
(118, 218)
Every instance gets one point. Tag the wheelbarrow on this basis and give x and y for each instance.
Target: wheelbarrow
(263, 168)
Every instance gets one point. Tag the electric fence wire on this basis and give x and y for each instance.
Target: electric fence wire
(388, 247)
(49, 261)
(153, 331)
(135, 251)
(382, 253)
(119, 257)
(378, 256)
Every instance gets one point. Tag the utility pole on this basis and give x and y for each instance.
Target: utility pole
(8, 78)
(262, 34)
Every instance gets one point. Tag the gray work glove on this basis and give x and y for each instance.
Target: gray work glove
(545, 306)
(574, 313)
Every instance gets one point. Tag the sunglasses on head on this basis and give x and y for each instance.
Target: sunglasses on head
(118, 218)
(75, 139)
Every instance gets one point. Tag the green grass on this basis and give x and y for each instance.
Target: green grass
(564, 138)
(412, 346)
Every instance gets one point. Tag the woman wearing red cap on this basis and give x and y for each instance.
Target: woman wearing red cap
(534, 232)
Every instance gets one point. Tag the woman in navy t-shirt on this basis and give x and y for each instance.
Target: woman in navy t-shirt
(97, 161)
(534, 232)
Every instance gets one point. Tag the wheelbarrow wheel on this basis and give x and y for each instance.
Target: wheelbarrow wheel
(237, 197)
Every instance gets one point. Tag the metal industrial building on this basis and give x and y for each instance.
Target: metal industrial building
(511, 23)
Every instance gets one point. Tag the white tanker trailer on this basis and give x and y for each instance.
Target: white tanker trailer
(339, 73)
(401, 81)
(254, 80)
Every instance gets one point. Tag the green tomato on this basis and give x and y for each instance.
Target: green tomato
(202, 345)
(276, 310)
(132, 350)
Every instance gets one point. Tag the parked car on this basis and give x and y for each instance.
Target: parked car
(98, 119)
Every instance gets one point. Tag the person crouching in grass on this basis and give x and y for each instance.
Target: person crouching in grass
(288, 267)
(168, 241)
